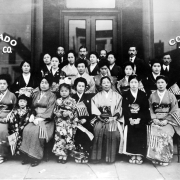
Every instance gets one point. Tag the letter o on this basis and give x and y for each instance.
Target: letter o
(178, 39)
(13, 43)
(172, 42)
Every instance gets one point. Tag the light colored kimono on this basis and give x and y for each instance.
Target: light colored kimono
(108, 134)
(71, 71)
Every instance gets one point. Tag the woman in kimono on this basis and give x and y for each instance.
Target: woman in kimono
(66, 122)
(83, 137)
(26, 79)
(18, 119)
(7, 102)
(165, 121)
(93, 68)
(41, 126)
(70, 69)
(149, 82)
(136, 114)
(56, 74)
(108, 135)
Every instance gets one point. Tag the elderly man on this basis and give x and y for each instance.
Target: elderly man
(61, 55)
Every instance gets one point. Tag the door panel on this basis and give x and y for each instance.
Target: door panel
(95, 32)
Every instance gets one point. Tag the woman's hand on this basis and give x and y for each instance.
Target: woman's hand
(164, 123)
(36, 122)
(131, 121)
(31, 119)
(156, 122)
(83, 121)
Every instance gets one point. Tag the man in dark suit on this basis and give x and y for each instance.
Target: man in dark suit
(115, 70)
(170, 70)
(62, 58)
(140, 67)
(83, 51)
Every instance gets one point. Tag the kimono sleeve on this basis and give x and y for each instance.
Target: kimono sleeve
(92, 86)
(153, 115)
(50, 107)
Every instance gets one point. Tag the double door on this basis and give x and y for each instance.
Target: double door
(94, 32)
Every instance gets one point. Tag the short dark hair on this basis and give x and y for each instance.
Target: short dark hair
(128, 63)
(111, 53)
(133, 76)
(105, 77)
(71, 51)
(25, 61)
(95, 53)
(48, 79)
(6, 77)
(68, 86)
(81, 47)
(102, 63)
(80, 79)
(165, 78)
(155, 61)
(79, 61)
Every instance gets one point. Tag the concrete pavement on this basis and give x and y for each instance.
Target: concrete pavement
(120, 170)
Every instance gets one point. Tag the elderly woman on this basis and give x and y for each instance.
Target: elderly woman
(26, 79)
(83, 137)
(7, 102)
(165, 121)
(106, 105)
(70, 69)
(136, 113)
(41, 126)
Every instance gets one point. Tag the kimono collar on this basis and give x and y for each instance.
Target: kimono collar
(107, 93)
(134, 94)
(161, 95)
(71, 66)
(155, 76)
(54, 71)
(2, 94)
(80, 96)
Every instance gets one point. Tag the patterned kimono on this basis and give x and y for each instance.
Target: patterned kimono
(17, 121)
(160, 142)
(108, 135)
(7, 103)
(66, 122)
(83, 141)
(34, 136)
(135, 136)
(71, 71)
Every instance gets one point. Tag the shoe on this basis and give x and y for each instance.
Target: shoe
(163, 164)
(139, 160)
(132, 160)
(64, 161)
(59, 160)
(25, 161)
(35, 163)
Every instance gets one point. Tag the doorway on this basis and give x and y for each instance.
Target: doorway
(94, 32)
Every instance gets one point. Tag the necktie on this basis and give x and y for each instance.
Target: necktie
(166, 70)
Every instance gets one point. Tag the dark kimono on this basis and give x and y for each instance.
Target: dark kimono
(108, 133)
(135, 136)
(17, 121)
(33, 142)
(116, 72)
(6, 105)
(20, 83)
(95, 71)
(83, 142)
(160, 142)
(149, 84)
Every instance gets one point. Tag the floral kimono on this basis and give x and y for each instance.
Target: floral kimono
(66, 122)
(160, 142)
(108, 136)
(18, 119)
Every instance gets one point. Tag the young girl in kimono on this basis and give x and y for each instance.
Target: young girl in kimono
(123, 84)
(66, 121)
(18, 119)
(164, 122)
(136, 114)
(83, 137)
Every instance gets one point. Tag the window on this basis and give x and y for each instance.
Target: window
(90, 3)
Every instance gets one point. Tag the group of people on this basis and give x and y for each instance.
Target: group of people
(90, 109)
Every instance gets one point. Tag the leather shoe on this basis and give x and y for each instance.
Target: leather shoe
(63, 161)
(25, 161)
(35, 163)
